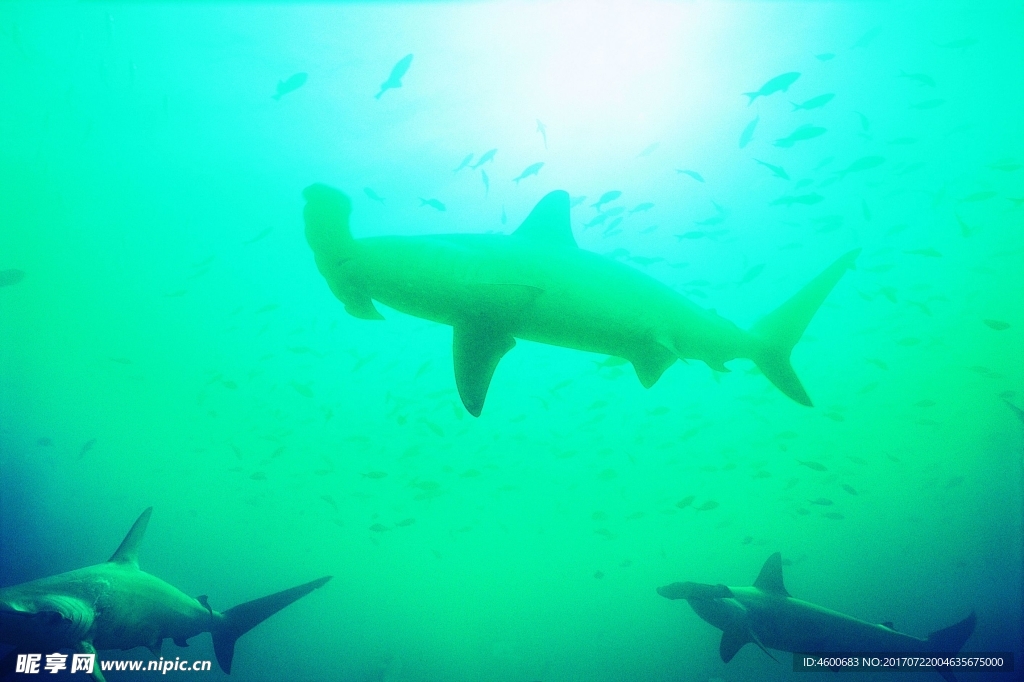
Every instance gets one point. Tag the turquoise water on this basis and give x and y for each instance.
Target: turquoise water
(166, 339)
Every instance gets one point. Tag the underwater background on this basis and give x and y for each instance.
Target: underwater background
(166, 339)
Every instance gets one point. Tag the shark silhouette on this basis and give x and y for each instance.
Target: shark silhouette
(115, 605)
(768, 616)
(536, 284)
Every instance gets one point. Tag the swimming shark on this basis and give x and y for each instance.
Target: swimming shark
(768, 616)
(115, 605)
(537, 284)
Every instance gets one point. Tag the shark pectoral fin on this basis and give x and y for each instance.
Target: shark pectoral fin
(652, 363)
(128, 551)
(360, 305)
(181, 641)
(733, 640)
(549, 221)
(88, 648)
(156, 648)
(477, 348)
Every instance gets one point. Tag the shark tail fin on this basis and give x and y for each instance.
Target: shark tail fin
(950, 640)
(777, 332)
(238, 620)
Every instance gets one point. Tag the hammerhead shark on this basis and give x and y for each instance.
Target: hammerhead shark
(115, 605)
(537, 284)
(768, 616)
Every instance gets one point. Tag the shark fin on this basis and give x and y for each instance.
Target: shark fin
(156, 647)
(950, 640)
(733, 640)
(770, 577)
(128, 552)
(549, 221)
(238, 620)
(778, 331)
(652, 363)
(477, 349)
(205, 601)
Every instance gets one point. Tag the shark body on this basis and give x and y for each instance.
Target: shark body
(766, 615)
(538, 285)
(115, 605)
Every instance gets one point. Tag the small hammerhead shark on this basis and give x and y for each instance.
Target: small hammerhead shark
(115, 605)
(766, 615)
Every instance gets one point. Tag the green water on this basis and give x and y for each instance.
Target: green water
(166, 339)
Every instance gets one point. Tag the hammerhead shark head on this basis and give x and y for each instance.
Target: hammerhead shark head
(537, 284)
(768, 616)
(115, 605)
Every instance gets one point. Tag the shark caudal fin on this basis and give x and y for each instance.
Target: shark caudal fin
(950, 640)
(777, 332)
(238, 620)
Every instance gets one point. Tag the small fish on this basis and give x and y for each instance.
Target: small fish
(811, 464)
(1006, 165)
(378, 528)
(867, 38)
(865, 124)
(804, 132)
(258, 476)
(302, 389)
(293, 82)
(465, 162)
(576, 201)
(748, 133)
(805, 199)
(814, 102)
(86, 447)
(260, 236)
(487, 182)
(395, 79)
(823, 501)
(752, 273)
(487, 156)
(693, 174)
(607, 197)
(642, 208)
(777, 84)
(928, 104)
(433, 203)
(862, 164)
(329, 500)
(543, 130)
(405, 523)
(597, 220)
(532, 169)
(686, 501)
(707, 506)
(10, 277)
(376, 475)
(373, 196)
(998, 325)
(648, 150)
(849, 488)
(598, 574)
(978, 196)
(270, 307)
(825, 56)
(777, 171)
(922, 78)
(929, 252)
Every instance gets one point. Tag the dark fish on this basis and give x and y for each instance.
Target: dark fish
(12, 276)
(395, 79)
(487, 182)
(686, 501)
(294, 82)
(998, 325)
(260, 236)
(708, 506)
(835, 516)
(641, 208)
(330, 500)
(928, 104)
(823, 501)
(487, 156)
(648, 150)
(849, 488)
(86, 447)
(777, 171)
(375, 474)
(805, 199)
(811, 464)
(258, 476)
(607, 197)
(598, 574)
(373, 195)
(922, 78)
(862, 164)
(814, 102)
(777, 84)
(532, 169)
(432, 203)
(693, 174)
(753, 272)
(406, 522)
(378, 528)
(978, 196)
(804, 132)
(748, 133)
(302, 389)
(465, 162)
(543, 130)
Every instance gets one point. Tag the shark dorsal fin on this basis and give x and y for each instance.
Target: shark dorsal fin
(770, 577)
(128, 552)
(549, 221)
